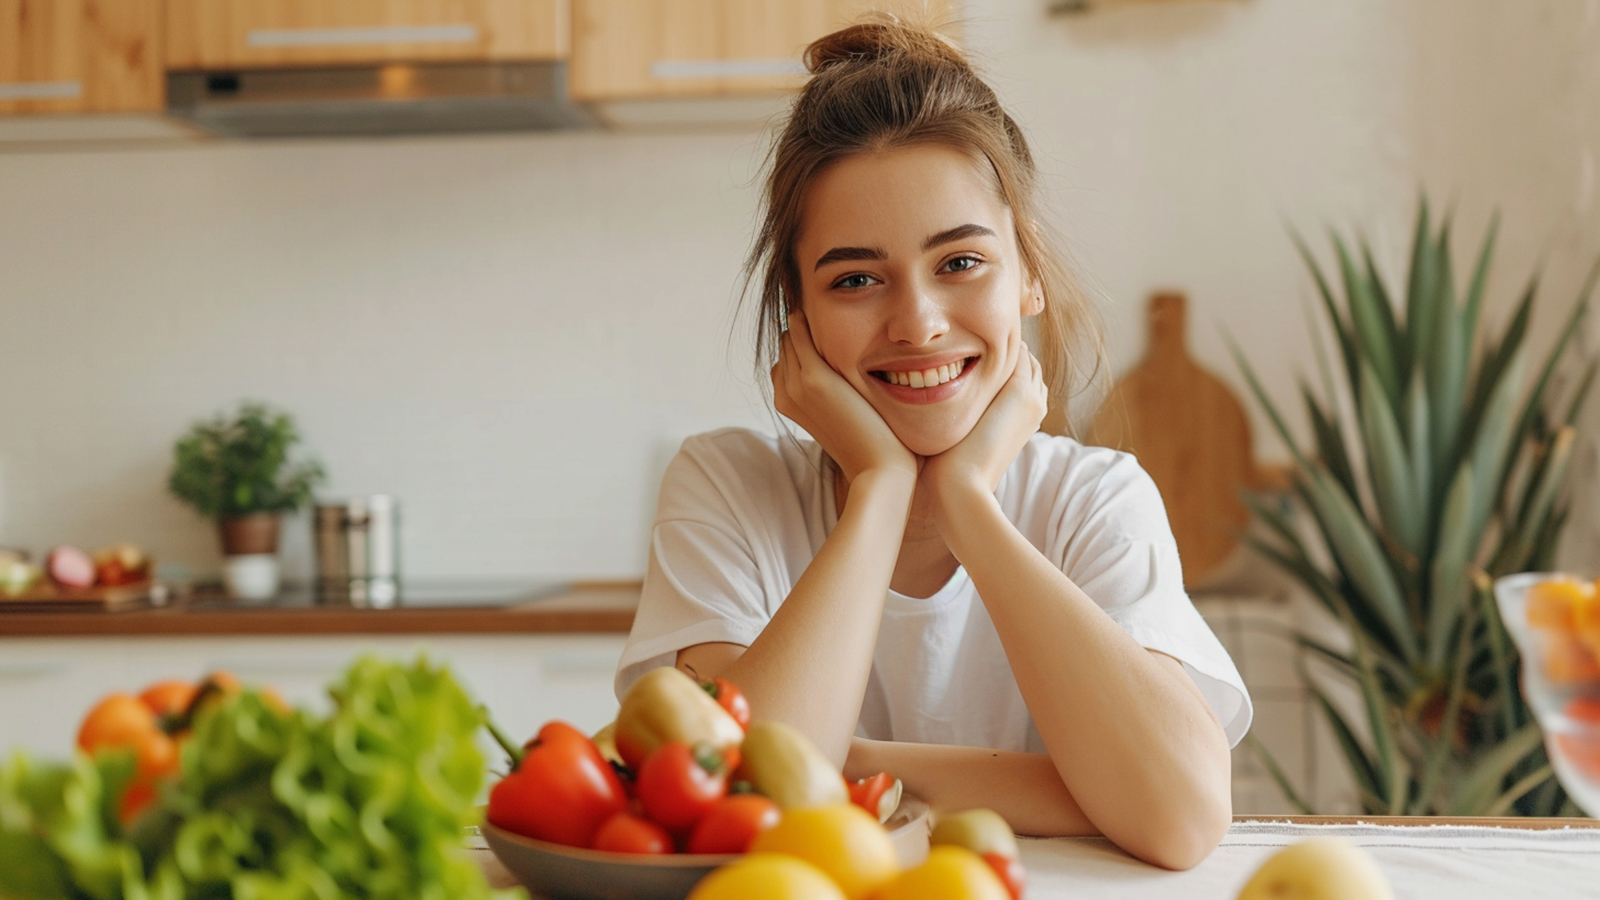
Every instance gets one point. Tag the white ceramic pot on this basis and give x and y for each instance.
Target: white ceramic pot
(251, 576)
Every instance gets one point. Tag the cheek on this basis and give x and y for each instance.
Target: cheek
(835, 336)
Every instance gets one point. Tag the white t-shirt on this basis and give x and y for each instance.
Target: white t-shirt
(741, 515)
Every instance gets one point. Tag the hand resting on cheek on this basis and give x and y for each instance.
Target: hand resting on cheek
(812, 394)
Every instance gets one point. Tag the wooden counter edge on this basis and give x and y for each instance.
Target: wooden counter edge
(1528, 823)
(591, 607)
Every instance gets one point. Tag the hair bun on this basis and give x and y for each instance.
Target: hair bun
(884, 35)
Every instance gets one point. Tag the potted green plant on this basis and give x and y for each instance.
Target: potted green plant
(1431, 469)
(238, 472)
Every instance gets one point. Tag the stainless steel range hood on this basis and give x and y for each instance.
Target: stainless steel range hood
(393, 98)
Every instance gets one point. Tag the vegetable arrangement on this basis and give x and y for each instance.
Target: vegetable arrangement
(68, 567)
(684, 769)
(264, 803)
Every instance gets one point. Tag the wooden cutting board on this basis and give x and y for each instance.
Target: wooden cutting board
(47, 597)
(1193, 437)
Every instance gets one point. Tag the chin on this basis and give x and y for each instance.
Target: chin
(931, 441)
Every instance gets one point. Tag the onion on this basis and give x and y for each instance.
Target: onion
(70, 567)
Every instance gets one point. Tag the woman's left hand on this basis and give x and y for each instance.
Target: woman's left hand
(976, 463)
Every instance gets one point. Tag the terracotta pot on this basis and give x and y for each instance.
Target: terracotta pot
(254, 533)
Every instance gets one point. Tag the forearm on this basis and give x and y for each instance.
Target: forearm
(809, 666)
(1024, 788)
(1130, 734)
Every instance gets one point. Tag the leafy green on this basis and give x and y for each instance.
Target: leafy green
(234, 467)
(271, 805)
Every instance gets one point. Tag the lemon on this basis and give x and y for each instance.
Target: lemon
(949, 873)
(1318, 869)
(770, 876)
(841, 839)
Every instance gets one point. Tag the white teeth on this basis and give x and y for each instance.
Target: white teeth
(927, 378)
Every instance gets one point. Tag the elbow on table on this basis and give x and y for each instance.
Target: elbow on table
(1184, 842)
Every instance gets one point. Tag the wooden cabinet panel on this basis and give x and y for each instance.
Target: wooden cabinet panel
(626, 49)
(214, 34)
(80, 56)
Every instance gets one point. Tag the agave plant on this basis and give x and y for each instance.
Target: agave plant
(1431, 470)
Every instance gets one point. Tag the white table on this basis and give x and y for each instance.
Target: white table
(1458, 859)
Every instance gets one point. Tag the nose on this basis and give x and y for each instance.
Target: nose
(916, 315)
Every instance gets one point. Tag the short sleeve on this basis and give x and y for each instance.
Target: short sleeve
(720, 550)
(1114, 541)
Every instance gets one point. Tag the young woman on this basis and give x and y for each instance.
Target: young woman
(930, 587)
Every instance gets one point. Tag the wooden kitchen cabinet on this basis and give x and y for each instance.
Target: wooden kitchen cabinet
(226, 34)
(629, 50)
(79, 56)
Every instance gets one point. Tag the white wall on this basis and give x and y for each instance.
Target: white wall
(511, 332)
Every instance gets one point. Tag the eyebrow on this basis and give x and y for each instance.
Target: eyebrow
(847, 254)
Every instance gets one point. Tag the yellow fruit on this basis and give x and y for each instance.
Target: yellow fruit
(1318, 869)
(979, 830)
(1553, 603)
(949, 873)
(841, 839)
(770, 876)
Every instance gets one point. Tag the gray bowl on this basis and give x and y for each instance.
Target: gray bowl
(558, 872)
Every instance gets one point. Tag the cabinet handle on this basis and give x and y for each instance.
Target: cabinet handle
(353, 37)
(41, 90)
(726, 68)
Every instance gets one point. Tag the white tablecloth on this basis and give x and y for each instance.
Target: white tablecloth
(1450, 862)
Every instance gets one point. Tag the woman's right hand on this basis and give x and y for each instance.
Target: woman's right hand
(814, 396)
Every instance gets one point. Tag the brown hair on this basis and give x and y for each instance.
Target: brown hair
(885, 83)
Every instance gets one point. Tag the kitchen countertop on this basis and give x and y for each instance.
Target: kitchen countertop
(582, 607)
(1463, 859)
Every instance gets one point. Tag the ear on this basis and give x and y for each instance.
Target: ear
(1032, 297)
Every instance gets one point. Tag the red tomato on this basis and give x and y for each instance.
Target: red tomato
(561, 792)
(678, 784)
(627, 833)
(733, 823)
(1011, 873)
(731, 699)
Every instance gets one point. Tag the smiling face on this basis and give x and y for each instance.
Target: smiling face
(913, 287)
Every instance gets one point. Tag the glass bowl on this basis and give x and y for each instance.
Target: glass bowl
(1561, 681)
(573, 873)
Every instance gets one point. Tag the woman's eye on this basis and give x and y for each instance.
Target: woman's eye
(858, 280)
(963, 264)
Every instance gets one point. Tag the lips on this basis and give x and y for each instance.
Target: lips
(927, 384)
(925, 378)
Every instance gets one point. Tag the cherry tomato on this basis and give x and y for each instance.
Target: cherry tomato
(732, 823)
(1010, 871)
(627, 833)
(731, 699)
(561, 791)
(678, 784)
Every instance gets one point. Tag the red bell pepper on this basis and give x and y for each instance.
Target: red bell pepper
(561, 789)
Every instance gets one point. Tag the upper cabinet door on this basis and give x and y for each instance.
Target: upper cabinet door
(626, 49)
(80, 56)
(223, 34)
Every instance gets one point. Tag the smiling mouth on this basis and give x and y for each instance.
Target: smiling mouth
(926, 378)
